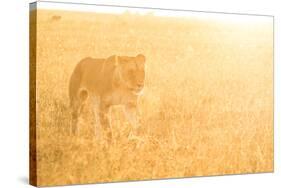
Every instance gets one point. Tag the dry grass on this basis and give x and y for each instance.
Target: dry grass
(207, 107)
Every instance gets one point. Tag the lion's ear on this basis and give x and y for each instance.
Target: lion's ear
(140, 58)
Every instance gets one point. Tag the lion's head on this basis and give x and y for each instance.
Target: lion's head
(130, 72)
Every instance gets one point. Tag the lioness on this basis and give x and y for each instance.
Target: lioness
(117, 80)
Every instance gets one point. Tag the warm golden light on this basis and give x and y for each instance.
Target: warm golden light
(206, 107)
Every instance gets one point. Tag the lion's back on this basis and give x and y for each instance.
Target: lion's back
(90, 74)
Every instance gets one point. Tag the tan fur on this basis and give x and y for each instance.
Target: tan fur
(117, 80)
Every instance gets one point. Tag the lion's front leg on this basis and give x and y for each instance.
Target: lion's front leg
(131, 113)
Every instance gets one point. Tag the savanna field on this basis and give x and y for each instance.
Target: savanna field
(206, 109)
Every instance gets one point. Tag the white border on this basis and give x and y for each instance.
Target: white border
(117, 9)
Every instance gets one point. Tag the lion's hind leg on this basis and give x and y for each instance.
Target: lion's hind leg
(105, 122)
(77, 106)
(96, 109)
(74, 116)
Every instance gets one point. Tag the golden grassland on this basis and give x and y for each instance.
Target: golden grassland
(207, 107)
